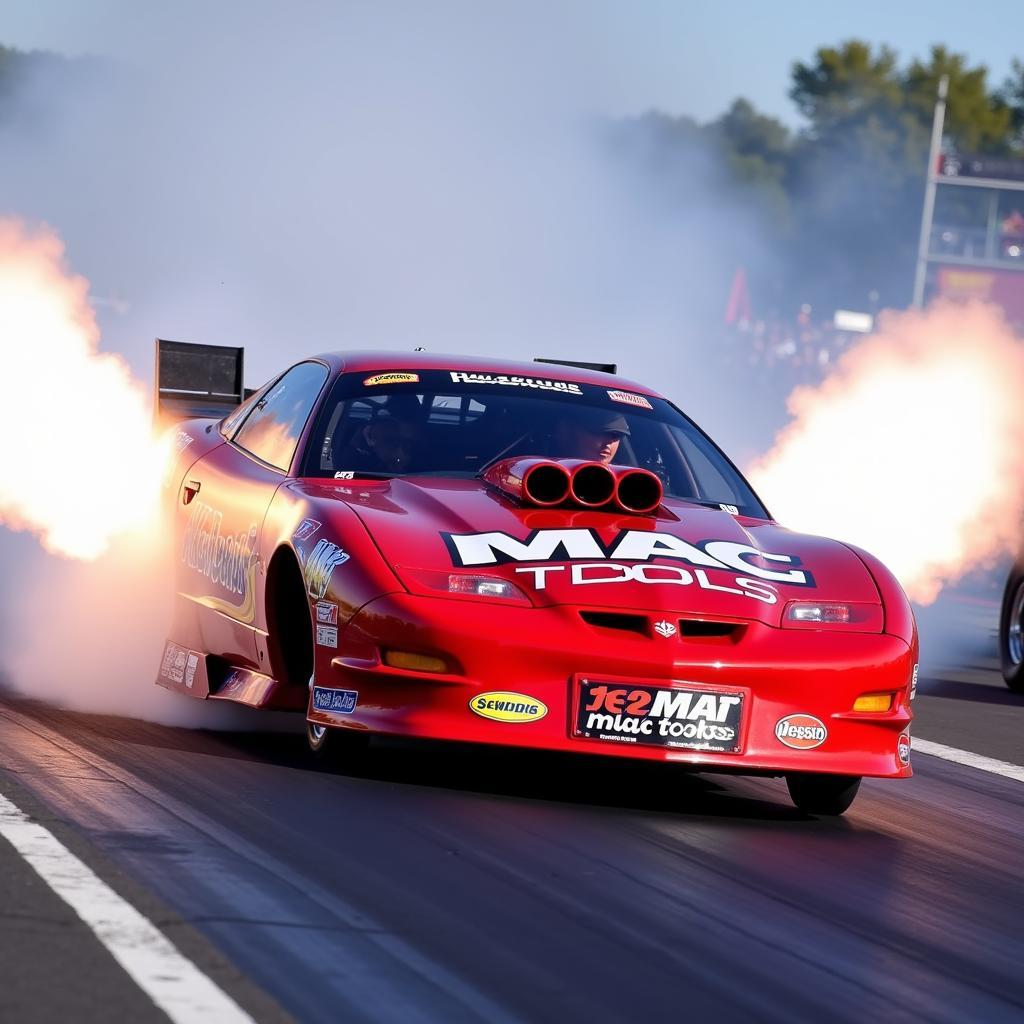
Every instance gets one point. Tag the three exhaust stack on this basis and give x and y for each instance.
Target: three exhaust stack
(550, 482)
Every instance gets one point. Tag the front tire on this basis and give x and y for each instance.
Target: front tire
(335, 748)
(822, 795)
(1011, 631)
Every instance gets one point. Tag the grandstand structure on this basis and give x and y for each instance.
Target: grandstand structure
(972, 227)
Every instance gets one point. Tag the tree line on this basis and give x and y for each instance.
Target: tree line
(837, 203)
(827, 214)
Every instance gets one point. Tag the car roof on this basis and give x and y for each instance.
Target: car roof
(380, 362)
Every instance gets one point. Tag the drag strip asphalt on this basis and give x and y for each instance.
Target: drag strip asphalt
(441, 882)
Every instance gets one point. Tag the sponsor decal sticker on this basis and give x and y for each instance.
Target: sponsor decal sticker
(628, 398)
(173, 665)
(327, 636)
(913, 684)
(542, 384)
(327, 613)
(345, 474)
(584, 544)
(306, 529)
(392, 378)
(320, 566)
(801, 732)
(236, 677)
(731, 509)
(512, 708)
(903, 748)
(685, 718)
(665, 629)
(227, 561)
(179, 664)
(181, 441)
(342, 702)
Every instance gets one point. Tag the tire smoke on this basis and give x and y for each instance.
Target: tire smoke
(89, 635)
(913, 448)
(81, 470)
(78, 462)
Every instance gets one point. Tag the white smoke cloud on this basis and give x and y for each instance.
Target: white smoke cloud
(51, 340)
(350, 175)
(912, 448)
(88, 636)
(330, 176)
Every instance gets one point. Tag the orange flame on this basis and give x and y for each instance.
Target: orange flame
(78, 461)
(913, 448)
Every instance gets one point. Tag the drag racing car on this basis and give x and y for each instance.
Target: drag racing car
(543, 556)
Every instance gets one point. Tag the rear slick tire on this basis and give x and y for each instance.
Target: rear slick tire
(1011, 631)
(822, 795)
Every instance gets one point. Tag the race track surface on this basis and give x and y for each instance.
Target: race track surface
(440, 882)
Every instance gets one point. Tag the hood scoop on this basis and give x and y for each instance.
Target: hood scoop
(575, 483)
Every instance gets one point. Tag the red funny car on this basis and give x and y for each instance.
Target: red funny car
(535, 555)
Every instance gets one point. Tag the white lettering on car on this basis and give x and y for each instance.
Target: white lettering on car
(543, 384)
(584, 545)
(642, 546)
(583, 573)
(736, 557)
(541, 546)
(224, 559)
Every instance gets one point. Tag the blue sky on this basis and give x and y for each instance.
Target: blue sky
(679, 56)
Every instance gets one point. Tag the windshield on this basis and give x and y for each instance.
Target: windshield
(455, 423)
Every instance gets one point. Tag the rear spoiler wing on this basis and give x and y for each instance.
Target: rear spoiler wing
(600, 367)
(205, 381)
(196, 381)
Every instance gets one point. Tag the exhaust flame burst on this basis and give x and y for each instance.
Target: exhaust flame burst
(78, 461)
(913, 448)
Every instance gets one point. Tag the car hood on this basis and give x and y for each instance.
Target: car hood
(688, 560)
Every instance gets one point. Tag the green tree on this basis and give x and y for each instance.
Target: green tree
(60, 78)
(846, 86)
(745, 132)
(860, 167)
(756, 149)
(11, 62)
(857, 173)
(977, 121)
(1010, 97)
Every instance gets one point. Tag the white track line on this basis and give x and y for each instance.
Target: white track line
(979, 761)
(174, 983)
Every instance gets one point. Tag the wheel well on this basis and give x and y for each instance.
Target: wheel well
(289, 627)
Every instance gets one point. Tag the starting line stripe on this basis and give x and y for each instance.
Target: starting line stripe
(172, 981)
(979, 761)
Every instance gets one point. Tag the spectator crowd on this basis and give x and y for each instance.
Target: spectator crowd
(784, 352)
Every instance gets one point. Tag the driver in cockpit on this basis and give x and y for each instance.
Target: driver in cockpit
(593, 434)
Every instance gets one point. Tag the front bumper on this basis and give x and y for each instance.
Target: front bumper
(542, 653)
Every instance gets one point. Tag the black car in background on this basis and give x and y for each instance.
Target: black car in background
(1011, 629)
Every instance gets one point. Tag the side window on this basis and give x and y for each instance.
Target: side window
(229, 424)
(272, 429)
(711, 483)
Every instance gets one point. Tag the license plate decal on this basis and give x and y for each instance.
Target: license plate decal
(678, 717)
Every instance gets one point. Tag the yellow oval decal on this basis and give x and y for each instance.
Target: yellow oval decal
(392, 378)
(508, 707)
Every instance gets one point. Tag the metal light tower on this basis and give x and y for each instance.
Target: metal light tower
(938, 122)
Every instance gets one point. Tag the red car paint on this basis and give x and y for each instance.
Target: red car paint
(608, 607)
